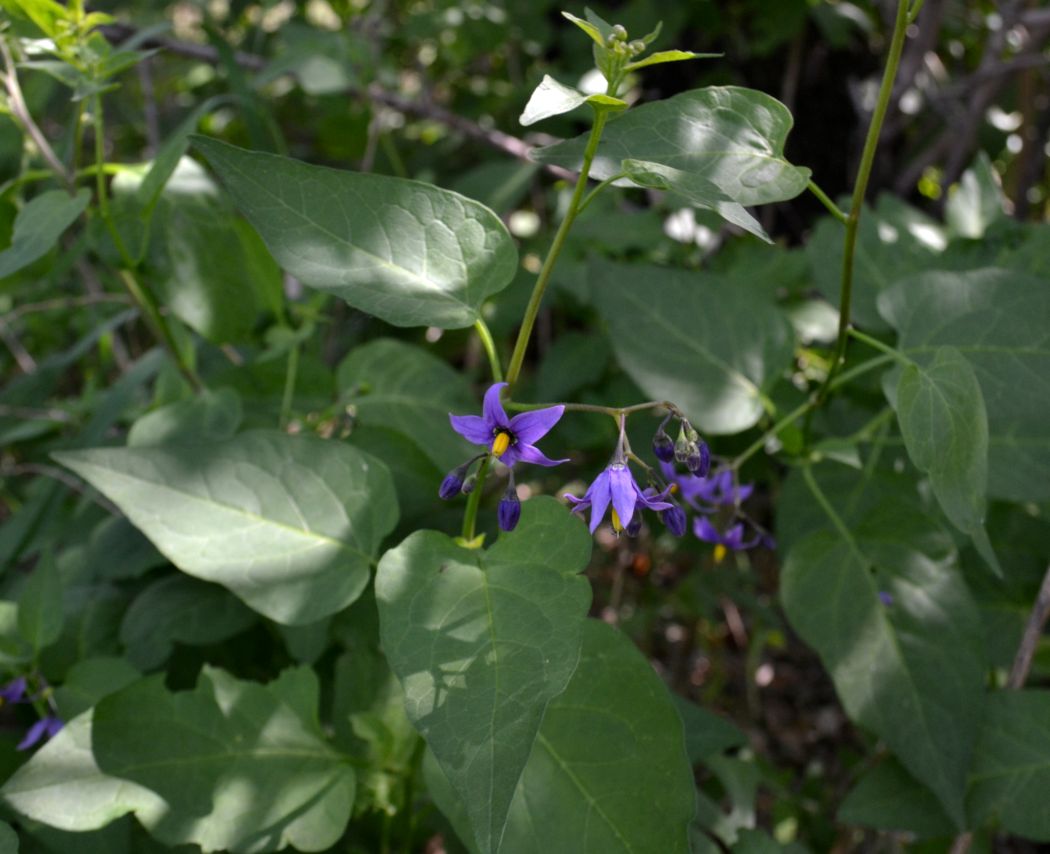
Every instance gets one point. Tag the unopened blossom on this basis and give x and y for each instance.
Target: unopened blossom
(510, 440)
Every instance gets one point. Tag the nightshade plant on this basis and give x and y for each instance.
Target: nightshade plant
(251, 602)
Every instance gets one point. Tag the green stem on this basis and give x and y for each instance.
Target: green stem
(892, 352)
(474, 499)
(860, 187)
(804, 408)
(825, 200)
(829, 510)
(533, 308)
(290, 376)
(409, 795)
(614, 411)
(490, 349)
(142, 296)
(913, 13)
(590, 196)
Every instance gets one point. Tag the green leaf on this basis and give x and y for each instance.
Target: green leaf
(89, 680)
(888, 798)
(945, 428)
(39, 225)
(481, 642)
(289, 524)
(40, 611)
(211, 416)
(8, 839)
(663, 56)
(1011, 768)
(410, 253)
(996, 319)
(415, 474)
(729, 136)
(696, 189)
(63, 787)
(591, 29)
(695, 339)
(911, 671)
(179, 609)
(976, 201)
(550, 98)
(230, 765)
(706, 734)
(608, 771)
(393, 384)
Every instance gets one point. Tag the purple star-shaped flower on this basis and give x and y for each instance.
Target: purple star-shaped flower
(616, 486)
(47, 725)
(510, 440)
(14, 691)
(708, 494)
(731, 540)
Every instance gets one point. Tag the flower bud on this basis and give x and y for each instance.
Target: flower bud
(674, 519)
(635, 525)
(508, 511)
(699, 460)
(682, 447)
(452, 483)
(636, 47)
(619, 33)
(663, 446)
(690, 432)
(469, 484)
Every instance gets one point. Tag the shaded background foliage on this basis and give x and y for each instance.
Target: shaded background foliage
(432, 91)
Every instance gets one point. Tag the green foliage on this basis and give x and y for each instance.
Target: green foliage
(410, 253)
(38, 226)
(289, 525)
(482, 642)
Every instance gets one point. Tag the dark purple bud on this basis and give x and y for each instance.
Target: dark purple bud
(469, 484)
(699, 461)
(675, 520)
(635, 525)
(14, 691)
(663, 446)
(451, 485)
(509, 510)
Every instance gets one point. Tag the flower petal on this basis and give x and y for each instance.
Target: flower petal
(743, 492)
(600, 495)
(529, 427)
(35, 733)
(473, 428)
(734, 537)
(493, 410)
(529, 454)
(625, 492)
(704, 530)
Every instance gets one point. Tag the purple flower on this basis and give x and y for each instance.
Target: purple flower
(508, 512)
(47, 725)
(708, 494)
(675, 520)
(731, 540)
(14, 691)
(510, 440)
(616, 486)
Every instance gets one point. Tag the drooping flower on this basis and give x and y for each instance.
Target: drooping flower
(48, 725)
(14, 691)
(510, 440)
(616, 486)
(508, 512)
(731, 540)
(709, 494)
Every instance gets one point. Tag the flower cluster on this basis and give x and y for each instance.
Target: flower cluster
(16, 691)
(507, 440)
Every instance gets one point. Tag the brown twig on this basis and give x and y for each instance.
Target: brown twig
(497, 139)
(61, 303)
(20, 111)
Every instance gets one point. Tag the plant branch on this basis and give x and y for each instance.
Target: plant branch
(1033, 630)
(860, 187)
(21, 112)
(825, 200)
(490, 349)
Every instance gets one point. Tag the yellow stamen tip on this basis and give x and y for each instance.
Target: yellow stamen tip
(500, 444)
(720, 553)
(673, 488)
(617, 525)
